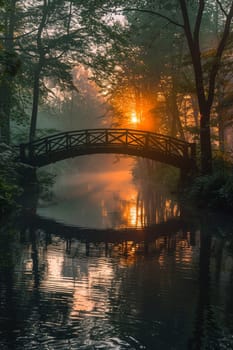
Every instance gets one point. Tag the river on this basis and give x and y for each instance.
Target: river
(107, 265)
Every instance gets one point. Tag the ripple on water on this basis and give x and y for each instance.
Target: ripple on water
(119, 296)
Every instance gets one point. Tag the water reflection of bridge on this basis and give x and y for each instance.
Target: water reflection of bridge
(138, 143)
(108, 235)
(208, 273)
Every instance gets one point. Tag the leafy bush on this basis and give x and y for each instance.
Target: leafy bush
(46, 181)
(9, 184)
(213, 191)
(226, 192)
(8, 194)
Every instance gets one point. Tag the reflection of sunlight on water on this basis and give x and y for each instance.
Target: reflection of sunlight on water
(104, 197)
(107, 197)
(133, 212)
(90, 290)
(129, 213)
(87, 280)
(171, 210)
(81, 294)
(86, 283)
(133, 215)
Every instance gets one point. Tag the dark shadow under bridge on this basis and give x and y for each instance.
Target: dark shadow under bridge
(108, 235)
(138, 143)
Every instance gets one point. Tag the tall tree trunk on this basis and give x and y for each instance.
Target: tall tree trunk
(220, 119)
(205, 143)
(176, 126)
(6, 83)
(35, 103)
(174, 113)
(5, 109)
(221, 133)
(194, 47)
(195, 110)
(38, 69)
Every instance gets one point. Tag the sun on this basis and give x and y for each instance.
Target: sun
(134, 118)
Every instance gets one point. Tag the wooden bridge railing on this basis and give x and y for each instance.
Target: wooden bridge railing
(132, 142)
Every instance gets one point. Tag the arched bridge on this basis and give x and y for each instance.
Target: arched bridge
(145, 144)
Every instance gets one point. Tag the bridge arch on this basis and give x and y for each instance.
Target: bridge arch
(138, 143)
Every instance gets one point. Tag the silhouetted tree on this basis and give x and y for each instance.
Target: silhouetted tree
(190, 17)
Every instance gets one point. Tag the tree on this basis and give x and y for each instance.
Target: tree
(189, 17)
(205, 95)
(9, 65)
(51, 38)
(66, 33)
(139, 77)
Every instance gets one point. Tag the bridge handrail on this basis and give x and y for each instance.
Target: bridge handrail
(133, 131)
(105, 140)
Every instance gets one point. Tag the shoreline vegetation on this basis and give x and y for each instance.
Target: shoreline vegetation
(10, 187)
(214, 192)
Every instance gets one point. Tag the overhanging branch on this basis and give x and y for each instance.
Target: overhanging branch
(219, 52)
(198, 21)
(221, 7)
(154, 13)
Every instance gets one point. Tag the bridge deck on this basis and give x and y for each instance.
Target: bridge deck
(124, 141)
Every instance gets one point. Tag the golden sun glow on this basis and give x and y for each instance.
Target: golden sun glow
(134, 118)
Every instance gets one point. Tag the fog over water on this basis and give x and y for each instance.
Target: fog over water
(91, 194)
(100, 192)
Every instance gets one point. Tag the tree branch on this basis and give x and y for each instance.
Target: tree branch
(218, 56)
(198, 21)
(19, 36)
(186, 26)
(154, 13)
(221, 7)
(69, 18)
(194, 48)
(54, 58)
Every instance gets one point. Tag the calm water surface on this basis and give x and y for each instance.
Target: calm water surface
(65, 287)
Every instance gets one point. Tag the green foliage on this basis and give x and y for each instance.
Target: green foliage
(10, 62)
(212, 191)
(226, 192)
(9, 180)
(46, 180)
(50, 38)
(8, 195)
